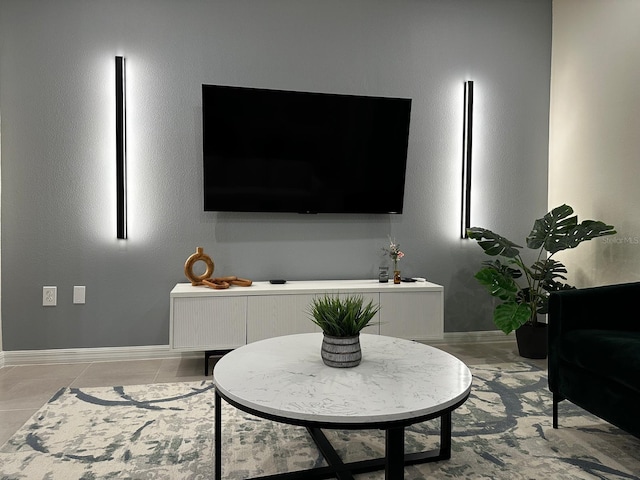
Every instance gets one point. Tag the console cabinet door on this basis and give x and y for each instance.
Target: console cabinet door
(276, 315)
(209, 323)
(412, 315)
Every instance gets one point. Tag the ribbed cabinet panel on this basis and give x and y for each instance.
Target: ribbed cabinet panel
(412, 315)
(275, 315)
(209, 321)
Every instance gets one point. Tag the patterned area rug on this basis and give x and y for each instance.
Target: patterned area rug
(165, 431)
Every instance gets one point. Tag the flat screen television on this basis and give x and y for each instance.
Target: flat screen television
(302, 152)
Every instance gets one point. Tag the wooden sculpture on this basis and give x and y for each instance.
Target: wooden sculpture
(199, 256)
(205, 279)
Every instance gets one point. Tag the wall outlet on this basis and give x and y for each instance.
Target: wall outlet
(49, 296)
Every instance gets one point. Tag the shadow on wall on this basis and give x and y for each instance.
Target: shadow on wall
(470, 306)
(292, 227)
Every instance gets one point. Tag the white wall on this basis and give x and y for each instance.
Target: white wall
(594, 151)
(58, 148)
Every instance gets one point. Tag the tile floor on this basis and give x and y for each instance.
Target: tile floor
(24, 389)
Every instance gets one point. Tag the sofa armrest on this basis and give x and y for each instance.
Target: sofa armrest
(610, 307)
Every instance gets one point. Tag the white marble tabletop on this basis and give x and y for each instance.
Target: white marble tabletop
(397, 380)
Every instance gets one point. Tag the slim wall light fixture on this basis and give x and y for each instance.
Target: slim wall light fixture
(467, 137)
(121, 148)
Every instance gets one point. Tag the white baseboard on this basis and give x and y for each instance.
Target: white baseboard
(85, 355)
(111, 354)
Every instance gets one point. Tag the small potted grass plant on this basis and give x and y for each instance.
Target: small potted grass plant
(341, 319)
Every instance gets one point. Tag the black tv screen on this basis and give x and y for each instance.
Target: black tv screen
(287, 151)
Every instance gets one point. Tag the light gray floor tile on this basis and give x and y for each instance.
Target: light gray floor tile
(34, 372)
(182, 370)
(28, 393)
(112, 380)
(12, 420)
(124, 367)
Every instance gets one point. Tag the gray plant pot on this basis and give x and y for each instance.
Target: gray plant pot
(341, 352)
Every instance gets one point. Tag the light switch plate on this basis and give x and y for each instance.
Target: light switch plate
(79, 293)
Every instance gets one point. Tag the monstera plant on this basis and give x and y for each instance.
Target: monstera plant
(524, 289)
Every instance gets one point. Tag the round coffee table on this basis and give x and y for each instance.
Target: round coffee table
(398, 383)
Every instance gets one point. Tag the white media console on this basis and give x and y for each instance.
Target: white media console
(204, 319)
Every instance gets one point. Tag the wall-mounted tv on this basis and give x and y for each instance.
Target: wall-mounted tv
(302, 152)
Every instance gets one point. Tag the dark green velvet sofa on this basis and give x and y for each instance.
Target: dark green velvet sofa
(594, 352)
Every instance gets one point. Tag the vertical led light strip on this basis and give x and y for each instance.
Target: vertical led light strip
(121, 148)
(467, 140)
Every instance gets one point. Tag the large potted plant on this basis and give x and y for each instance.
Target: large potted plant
(341, 321)
(524, 289)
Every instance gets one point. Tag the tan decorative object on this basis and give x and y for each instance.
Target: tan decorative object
(197, 257)
(218, 283)
(241, 282)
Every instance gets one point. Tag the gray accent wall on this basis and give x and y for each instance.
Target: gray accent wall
(58, 148)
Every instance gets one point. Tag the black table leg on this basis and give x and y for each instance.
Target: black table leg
(394, 465)
(445, 436)
(218, 437)
(330, 455)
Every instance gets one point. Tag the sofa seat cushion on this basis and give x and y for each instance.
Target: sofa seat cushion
(614, 354)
